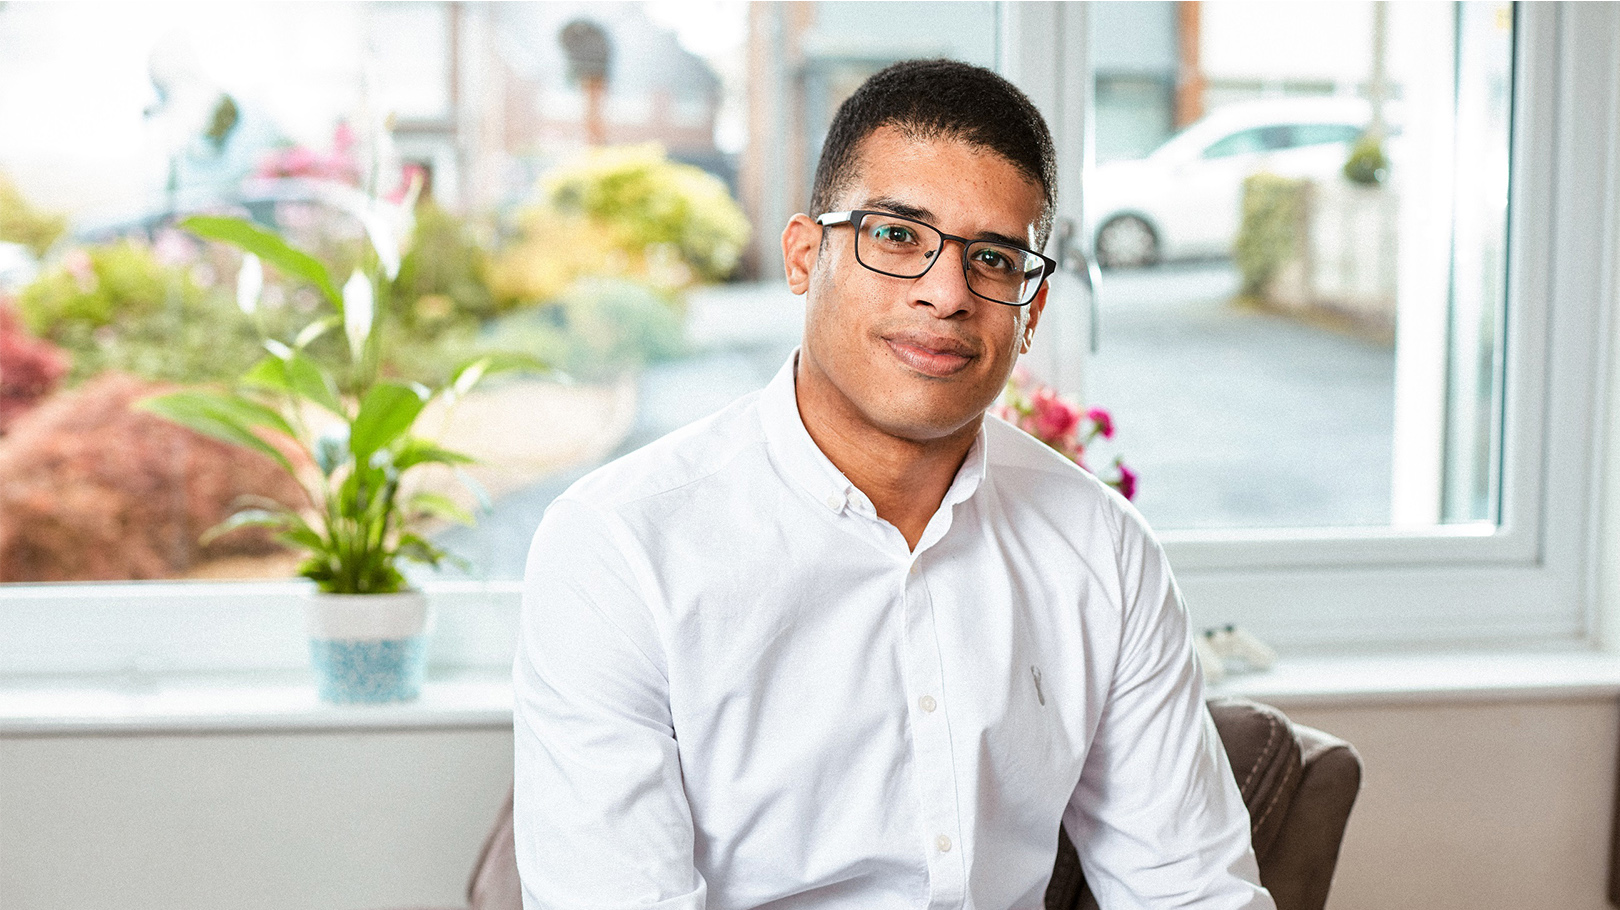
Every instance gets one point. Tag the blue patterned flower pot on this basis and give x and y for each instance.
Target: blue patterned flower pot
(368, 648)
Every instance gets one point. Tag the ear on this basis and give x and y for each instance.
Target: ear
(1036, 306)
(801, 243)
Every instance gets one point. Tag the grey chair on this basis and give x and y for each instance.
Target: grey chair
(1298, 783)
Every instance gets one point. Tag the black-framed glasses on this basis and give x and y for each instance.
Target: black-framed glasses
(902, 247)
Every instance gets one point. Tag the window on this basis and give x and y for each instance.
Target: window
(1432, 484)
(1497, 449)
(1249, 142)
(1323, 133)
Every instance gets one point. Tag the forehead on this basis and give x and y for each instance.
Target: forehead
(965, 189)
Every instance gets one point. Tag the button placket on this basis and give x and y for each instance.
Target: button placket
(934, 764)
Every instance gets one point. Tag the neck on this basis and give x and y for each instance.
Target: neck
(905, 479)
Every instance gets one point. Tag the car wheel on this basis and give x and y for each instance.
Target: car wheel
(1127, 242)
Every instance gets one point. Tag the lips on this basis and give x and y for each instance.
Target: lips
(932, 355)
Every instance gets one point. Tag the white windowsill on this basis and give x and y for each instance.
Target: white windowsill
(266, 701)
(1346, 681)
(273, 701)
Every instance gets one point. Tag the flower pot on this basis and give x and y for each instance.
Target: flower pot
(368, 648)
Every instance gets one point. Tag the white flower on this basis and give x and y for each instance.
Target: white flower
(359, 307)
(388, 226)
(249, 283)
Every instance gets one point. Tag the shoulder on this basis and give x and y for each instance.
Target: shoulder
(1036, 484)
(1028, 471)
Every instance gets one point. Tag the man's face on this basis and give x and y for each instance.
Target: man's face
(920, 358)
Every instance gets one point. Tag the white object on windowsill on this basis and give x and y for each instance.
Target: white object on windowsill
(1230, 650)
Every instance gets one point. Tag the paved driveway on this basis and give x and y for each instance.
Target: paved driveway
(1241, 418)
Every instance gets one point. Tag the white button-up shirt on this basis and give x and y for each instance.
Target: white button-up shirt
(738, 687)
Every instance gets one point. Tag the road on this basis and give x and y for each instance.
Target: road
(1232, 417)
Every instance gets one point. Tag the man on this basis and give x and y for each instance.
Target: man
(847, 643)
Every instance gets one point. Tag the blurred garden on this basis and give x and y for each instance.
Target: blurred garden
(589, 275)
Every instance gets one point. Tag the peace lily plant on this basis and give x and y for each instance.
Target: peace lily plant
(354, 430)
(348, 437)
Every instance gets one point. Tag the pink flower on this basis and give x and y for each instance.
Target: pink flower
(1102, 422)
(1054, 417)
(1126, 485)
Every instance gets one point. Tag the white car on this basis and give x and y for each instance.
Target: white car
(1184, 200)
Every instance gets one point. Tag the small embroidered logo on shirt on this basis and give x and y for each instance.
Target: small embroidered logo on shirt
(1036, 672)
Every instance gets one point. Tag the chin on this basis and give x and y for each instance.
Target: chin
(924, 423)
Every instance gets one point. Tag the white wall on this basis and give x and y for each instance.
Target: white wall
(290, 821)
(1477, 806)
(1464, 806)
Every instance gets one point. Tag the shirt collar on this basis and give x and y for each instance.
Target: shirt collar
(803, 461)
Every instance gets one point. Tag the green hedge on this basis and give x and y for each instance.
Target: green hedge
(1273, 217)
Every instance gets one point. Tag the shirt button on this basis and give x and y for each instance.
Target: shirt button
(914, 569)
(943, 843)
(835, 502)
(927, 703)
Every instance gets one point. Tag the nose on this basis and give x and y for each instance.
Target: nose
(943, 288)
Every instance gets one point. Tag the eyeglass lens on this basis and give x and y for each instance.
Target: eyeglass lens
(904, 249)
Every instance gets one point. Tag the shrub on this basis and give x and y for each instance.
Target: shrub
(1273, 217)
(118, 307)
(624, 211)
(444, 275)
(21, 223)
(1367, 164)
(93, 490)
(30, 368)
(440, 300)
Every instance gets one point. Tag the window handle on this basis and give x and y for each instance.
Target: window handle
(1072, 258)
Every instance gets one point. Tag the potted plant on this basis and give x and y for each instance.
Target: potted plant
(347, 433)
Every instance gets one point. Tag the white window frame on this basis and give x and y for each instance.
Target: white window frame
(1531, 582)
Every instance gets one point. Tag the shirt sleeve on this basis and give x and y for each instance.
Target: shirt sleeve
(1157, 819)
(600, 816)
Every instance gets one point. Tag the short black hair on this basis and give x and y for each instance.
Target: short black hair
(940, 99)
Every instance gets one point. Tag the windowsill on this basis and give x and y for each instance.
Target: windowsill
(1345, 681)
(268, 701)
(282, 701)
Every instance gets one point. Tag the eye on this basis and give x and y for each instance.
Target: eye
(893, 232)
(994, 259)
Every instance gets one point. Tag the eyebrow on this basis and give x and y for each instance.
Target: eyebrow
(906, 210)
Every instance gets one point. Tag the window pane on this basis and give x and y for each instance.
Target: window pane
(1306, 332)
(140, 113)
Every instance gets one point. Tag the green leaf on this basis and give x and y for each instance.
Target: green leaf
(254, 414)
(248, 236)
(415, 548)
(296, 375)
(438, 505)
(291, 528)
(420, 451)
(218, 417)
(467, 376)
(315, 330)
(387, 411)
